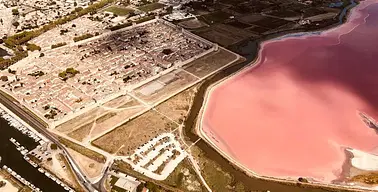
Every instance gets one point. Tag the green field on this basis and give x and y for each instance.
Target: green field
(121, 11)
(151, 7)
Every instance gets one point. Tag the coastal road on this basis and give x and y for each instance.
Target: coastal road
(17, 109)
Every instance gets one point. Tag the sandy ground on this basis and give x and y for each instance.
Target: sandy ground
(8, 187)
(6, 28)
(56, 166)
(80, 120)
(298, 108)
(91, 167)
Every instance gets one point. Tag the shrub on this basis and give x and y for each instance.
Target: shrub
(16, 24)
(58, 45)
(82, 37)
(15, 12)
(53, 146)
(33, 47)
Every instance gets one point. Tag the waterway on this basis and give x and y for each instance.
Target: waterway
(12, 158)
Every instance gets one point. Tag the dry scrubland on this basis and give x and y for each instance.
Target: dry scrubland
(209, 63)
(214, 175)
(177, 107)
(127, 137)
(185, 178)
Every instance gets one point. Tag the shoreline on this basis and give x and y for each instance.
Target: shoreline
(250, 66)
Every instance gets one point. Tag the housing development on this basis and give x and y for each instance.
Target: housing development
(187, 95)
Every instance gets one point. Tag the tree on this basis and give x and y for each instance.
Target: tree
(169, 9)
(53, 146)
(4, 78)
(16, 24)
(33, 47)
(303, 180)
(151, 186)
(15, 12)
(2, 184)
(140, 188)
(167, 51)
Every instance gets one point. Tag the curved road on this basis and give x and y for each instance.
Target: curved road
(17, 109)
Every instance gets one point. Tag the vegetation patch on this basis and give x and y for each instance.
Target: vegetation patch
(58, 45)
(68, 73)
(33, 47)
(82, 37)
(151, 7)
(121, 11)
(83, 150)
(214, 175)
(185, 178)
(369, 178)
(37, 74)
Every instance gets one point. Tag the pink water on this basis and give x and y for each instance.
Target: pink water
(292, 114)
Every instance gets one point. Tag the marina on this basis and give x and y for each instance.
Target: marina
(17, 143)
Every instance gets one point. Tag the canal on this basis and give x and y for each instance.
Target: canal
(12, 158)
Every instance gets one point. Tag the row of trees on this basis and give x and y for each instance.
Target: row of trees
(82, 37)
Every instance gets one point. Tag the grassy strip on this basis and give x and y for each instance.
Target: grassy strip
(82, 37)
(105, 117)
(119, 10)
(83, 150)
(123, 25)
(151, 7)
(58, 45)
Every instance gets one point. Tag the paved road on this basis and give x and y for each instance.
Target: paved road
(17, 109)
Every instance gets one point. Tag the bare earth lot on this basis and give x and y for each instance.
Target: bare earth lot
(164, 86)
(80, 120)
(101, 118)
(134, 133)
(225, 34)
(209, 63)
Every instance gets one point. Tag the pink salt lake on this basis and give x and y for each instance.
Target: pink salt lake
(292, 113)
